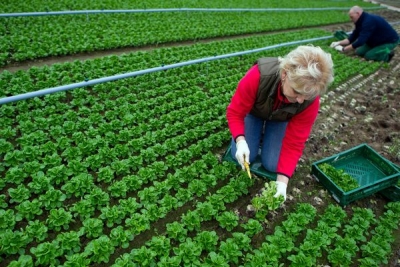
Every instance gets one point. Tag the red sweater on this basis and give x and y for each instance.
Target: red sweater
(298, 129)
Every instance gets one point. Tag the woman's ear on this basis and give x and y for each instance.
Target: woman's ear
(283, 75)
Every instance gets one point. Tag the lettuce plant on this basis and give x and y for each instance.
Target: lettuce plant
(100, 249)
(118, 189)
(5, 146)
(161, 245)
(29, 209)
(124, 260)
(40, 183)
(217, 201)
(176, 231)
(230, 250)
(15, 175)
(69, 242)
(82, 209)
(79, 185)
(137, 223)
(144, 256)
(112, 215)
(129, 205)
(272, 251)
(58, 174)
(77, 166)
(191, 220)
(23, 260)
(356, 232)
(13, 158)
(282, 241)
(13, 242)
(301, 260)
(169, 261)
(59, 219)
(228, 220)
(98, 198)
(340, 257)
(258, 259)
(206, 210)
(207, 240)
(266, 201)
(92, 227)
(36, 230)
(132, 182)
(183, 196)
(121, 167)
(46, 254)
(189, 252)
(120, 237)
(229, 193)
(154, 212)
(168, 202)
(78, 259)
(242, 240)
(333, 215)
(105, 174)
(19, 194)
(213, 260)
(7, 219)
(52, 199)
(252, 227)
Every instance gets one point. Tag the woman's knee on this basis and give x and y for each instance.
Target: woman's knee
(269, 165)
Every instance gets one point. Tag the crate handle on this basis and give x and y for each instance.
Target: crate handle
(369, 190)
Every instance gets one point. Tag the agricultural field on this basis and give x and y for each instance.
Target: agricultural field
(130, 171)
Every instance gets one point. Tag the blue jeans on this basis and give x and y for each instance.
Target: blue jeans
(274, 131)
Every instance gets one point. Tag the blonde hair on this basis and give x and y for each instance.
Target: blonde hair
(309, 68)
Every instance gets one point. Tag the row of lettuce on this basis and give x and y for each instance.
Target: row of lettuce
(42, 6)
(37, 78)
(33, 37)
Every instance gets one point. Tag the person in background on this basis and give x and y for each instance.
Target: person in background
(373, 37)
(275, 105)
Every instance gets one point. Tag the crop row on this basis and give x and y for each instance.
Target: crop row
(60, 74)
(40, 6)
(29, 38)
(191, 242)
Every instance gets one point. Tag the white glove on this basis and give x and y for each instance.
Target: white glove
(339, 48)
(242, 152)
(280, 189)
(334, 44)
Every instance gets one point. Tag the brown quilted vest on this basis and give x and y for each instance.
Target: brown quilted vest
(267, 90)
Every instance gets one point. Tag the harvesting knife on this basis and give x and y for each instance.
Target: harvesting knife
(246, 165)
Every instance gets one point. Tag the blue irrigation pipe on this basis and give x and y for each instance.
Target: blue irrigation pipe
(52, 90)
(85, 12)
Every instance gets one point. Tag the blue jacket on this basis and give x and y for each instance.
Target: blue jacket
(372, 30)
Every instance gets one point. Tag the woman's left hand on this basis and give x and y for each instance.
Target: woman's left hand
(281, 185)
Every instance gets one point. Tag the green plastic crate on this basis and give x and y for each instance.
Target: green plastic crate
(255, 167)
(392, 193)
(372, 171)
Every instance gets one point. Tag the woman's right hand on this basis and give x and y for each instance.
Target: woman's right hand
(242, 152)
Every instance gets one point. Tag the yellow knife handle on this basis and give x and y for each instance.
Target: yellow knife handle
(246, 165)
